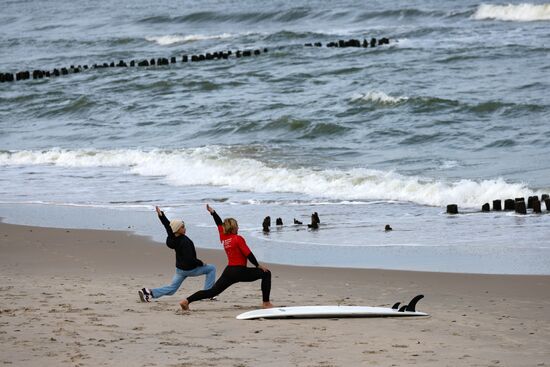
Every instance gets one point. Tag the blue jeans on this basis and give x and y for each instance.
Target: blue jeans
(179, 277)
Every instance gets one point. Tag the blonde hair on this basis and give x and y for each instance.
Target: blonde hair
(230, 226)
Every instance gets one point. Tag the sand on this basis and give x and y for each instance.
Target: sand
(69, 298)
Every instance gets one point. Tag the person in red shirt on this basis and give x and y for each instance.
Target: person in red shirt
(236, 270)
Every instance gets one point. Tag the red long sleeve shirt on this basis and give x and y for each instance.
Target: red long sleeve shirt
(235, 247)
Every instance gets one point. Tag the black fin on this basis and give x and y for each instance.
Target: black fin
(412, 304)
(396, 306)
(403, 308)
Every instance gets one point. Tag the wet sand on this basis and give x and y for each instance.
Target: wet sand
(69, 298)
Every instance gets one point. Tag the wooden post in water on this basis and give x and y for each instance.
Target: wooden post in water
(497, 205)
(266, 223)
(520, 207)
(509, 204)
(485, 207)
(536, 206)
(530, 201)
(452, 209)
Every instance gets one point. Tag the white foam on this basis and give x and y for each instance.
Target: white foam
(513, 12)
(219, 166)
(173, 39)
(378, 97)
(117, 206)
(449, 164)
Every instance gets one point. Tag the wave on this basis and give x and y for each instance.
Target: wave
(419, 103)
(75, 106)
(408, 13)
(174, 39)
(284, 16)
(226, 167)
(501, 143)
(513, 12)
(423, 104)
(378, 97)
(290, 35)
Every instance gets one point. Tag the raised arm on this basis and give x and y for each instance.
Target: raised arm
(215, 215)
(165, 222)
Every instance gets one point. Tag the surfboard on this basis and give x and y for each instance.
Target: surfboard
(334, 311)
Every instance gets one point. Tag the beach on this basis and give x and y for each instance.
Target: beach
(69, 298)
(112, 109)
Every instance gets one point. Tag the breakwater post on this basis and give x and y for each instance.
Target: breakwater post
(314, 221)
(530, 201)
(509, 204)
(221, 55)
(536, 206)
(266, 224)
(520, 206)
(452, 209)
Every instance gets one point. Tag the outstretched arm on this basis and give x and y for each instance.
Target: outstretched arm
(165, 222)
(215, 215)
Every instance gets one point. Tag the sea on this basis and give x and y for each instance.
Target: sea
(454, 110)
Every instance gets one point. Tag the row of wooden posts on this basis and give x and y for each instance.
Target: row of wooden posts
(222, 55)
(266, 224)
(39, 74)
(353, 43)
(518, 205)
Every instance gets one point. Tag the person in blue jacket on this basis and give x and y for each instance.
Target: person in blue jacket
(187, 263)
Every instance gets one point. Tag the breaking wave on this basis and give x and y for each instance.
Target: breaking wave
(513, 12)
(174, 39)
(378, 97)
(220, 166)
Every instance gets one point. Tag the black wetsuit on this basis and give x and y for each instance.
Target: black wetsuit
(234, 274)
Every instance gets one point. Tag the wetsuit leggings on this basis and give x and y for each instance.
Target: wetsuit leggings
(235, 274)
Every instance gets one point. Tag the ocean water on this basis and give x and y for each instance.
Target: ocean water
(456, 109)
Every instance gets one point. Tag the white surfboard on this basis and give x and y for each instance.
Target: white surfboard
(334, 311)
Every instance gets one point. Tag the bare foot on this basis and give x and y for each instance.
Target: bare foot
(267, 305)
(184, 304)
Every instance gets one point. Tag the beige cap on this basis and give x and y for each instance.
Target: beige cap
(176, 224)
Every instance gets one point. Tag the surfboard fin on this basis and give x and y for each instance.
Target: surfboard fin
(396, 306)
(412, 304)
(403, 308)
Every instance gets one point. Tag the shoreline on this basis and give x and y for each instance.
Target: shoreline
(363, 246)
(219, 256)
(70, 298)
